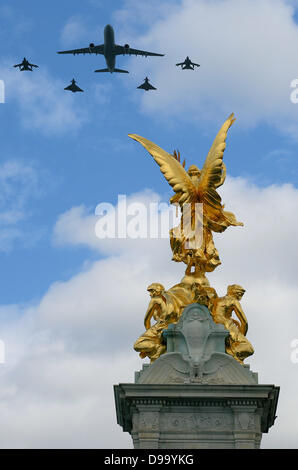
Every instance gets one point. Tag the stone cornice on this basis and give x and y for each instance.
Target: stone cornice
(132, 396)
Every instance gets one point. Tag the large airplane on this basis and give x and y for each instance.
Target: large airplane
(25, 65)
(146, 85)
(188, 64)
(110, 50)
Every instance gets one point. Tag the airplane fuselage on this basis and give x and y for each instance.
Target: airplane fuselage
(109, 47)
(26, 66)
(188, 64)
(109, 50)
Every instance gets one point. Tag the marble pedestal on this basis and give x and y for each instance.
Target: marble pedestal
(195, 396)
(193, 416)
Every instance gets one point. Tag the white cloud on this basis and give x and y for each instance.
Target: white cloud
(78, 32)
(78, 226)
(20, 183)
(134, 14)
(43, 104)
(74, 30)
(246, 50)
(65, 353)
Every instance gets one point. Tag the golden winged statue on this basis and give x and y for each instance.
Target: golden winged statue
(192, 241)
(191, 188)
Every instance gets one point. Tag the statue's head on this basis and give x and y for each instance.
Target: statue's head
(193, 171)
(235, 291)
(155, 289)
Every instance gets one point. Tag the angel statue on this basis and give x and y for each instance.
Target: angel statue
(194, 187)
(192, 243)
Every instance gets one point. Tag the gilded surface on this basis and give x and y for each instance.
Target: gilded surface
(192, 243)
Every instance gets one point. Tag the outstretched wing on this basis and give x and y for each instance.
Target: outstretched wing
(172, 169)
(118, 50)
(85, 50)
(213, 171)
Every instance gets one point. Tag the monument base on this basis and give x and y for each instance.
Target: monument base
(195, 396)
(193, 416)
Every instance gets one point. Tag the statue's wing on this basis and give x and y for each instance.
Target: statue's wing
(213, 172)
(172, 169)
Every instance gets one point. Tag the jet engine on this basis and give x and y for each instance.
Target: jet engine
(126, 47)
(91, 45)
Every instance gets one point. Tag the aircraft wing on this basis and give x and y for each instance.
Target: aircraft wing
(198, 65)
(18, 65)
(181, 63)
(85, 50)
(32, 65)
(128, 50)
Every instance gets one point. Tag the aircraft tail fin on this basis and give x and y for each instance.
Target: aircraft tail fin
(114, 70)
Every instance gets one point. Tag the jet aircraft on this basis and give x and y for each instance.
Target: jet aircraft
(73, 87)
(146, 85)
(188, 64)
(110, 50)
(25, 65)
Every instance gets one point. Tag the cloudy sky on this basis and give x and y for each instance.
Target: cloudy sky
(71, 305)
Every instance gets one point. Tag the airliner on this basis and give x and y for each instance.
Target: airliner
(110, 50)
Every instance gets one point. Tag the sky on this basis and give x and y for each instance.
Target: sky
(71, 305)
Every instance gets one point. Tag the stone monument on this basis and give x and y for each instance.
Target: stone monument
(196, 392)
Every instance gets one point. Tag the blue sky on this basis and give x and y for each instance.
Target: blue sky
(73, 166)
(60, 151)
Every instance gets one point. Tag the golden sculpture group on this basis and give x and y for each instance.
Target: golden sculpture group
(197, 252)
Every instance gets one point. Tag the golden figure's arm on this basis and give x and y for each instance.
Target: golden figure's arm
(172, 169)
(149, 314)
(213, 172)
(154, 305)
(242, 318)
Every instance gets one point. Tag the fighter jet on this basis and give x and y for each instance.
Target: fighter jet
(110, 50)
(25, 65)
(73, 87)
(146, 85)
(188, 64)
